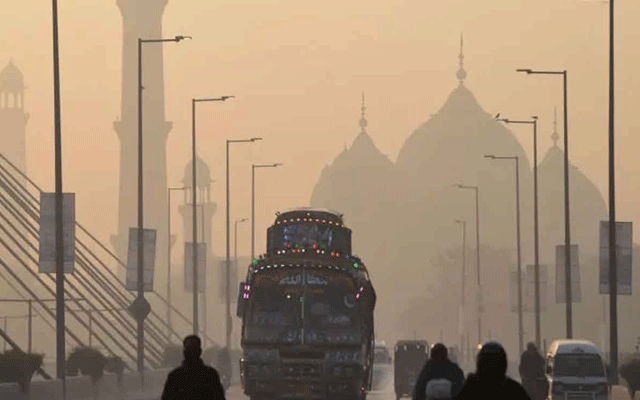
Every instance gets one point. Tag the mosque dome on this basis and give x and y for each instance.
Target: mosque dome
(360, 183)
(203, 175)
(11, 79)
(587, 206)
(357, 170)
(450, 149)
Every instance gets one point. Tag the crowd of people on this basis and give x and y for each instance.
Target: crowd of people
(442, 379)
(439, 379)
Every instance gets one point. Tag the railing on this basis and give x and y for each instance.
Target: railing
(93, 285)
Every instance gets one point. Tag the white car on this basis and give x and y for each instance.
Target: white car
(382, 367)
(576, 370)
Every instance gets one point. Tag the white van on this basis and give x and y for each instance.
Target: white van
(576, 371)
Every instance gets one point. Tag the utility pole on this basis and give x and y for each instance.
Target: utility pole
(534, 122)
(567, 214)
(613, 265)
(60, 324)
(520, 317)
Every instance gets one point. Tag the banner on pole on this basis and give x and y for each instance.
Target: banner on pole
(47, 239)
(513, 290)
(623, 255)
(530, 291)
(188, 267)
(149, 249)
(576, 295)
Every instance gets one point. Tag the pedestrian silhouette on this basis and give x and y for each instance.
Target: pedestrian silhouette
(193, 380)
(490, 380)
(440, 378)
(531, 370)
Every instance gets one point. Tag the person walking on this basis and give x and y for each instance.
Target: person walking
(490, 380)
(532, 373)
(193, 380)
(440, 378)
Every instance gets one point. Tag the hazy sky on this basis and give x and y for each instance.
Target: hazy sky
(298, 69)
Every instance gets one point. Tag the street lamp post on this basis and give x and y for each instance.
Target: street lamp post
(169, 326)
(463, 278)
(253, 199)
(140, 200)
(60, 324)
(613, 265)
(479, 299)
(204, 288)
(235, 238)
(228, 247)
(194, 190)
(534, 122)
(567, 215)
(520, 322)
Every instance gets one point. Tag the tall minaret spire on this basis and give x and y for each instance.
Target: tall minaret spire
(461, 74)
(554, 135)
(363, 120)
(143, 19)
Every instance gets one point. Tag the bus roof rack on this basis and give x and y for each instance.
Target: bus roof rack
(310, 209)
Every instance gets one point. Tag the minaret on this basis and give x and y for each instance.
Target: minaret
(143, 19)
(363, 120)
(554, 135)
(203, 196)
(13, 119)
(461, 74)
(206, 209)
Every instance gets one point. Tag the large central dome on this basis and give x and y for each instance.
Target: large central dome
(457, 137)
(449, 148)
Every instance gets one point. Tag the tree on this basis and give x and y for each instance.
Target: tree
(18, 367)
(630, 372)
(115, 365)
(90, 362)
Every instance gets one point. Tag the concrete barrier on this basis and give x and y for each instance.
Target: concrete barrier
(80, 388)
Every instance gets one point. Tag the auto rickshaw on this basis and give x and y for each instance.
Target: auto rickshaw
(410, 357)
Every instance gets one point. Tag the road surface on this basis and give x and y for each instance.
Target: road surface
(235, 393)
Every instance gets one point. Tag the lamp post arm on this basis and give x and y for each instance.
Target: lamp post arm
(511, 121)
(533, 72)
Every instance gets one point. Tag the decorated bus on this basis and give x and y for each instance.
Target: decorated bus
(307, 312)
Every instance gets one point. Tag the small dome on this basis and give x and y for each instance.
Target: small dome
(588, 206)
(11, 79)
(203, 177)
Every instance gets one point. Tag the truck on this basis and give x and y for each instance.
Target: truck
(307, 308)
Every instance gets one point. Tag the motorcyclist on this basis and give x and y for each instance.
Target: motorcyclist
(439, 370)
(532, 373)
(490, 380)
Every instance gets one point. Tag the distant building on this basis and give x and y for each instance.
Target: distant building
(360, 183)
(13, 118)
(403, 217)
(205, 211)
(450, 148)
(143, 19)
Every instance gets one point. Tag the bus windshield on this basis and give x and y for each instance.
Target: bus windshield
(275, 315)
(332, 315)
(326, 237)
(320, 305)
